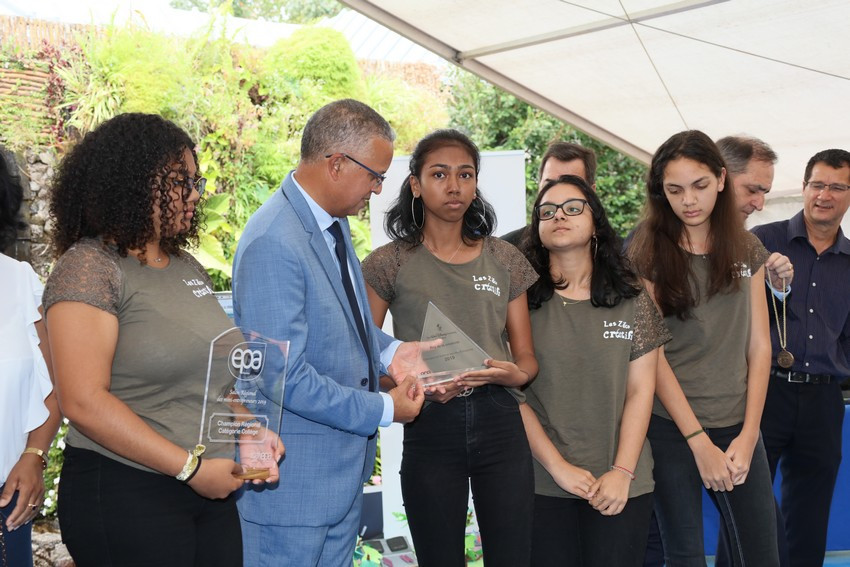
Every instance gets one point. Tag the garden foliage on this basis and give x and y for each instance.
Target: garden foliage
(244, 106)
(497, 120)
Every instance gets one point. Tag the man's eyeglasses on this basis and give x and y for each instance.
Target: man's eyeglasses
(834, 187)
(378, 178)
(571, 208)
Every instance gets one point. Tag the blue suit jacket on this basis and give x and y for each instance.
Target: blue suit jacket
(286, 286)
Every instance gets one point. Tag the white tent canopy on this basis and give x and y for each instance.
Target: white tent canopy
(632, 72)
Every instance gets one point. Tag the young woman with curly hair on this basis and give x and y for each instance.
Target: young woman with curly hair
(597, 335)
(706, 273)
(131, 316)
(443, 252)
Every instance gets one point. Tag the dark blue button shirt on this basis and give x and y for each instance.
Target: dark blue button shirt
(818, 307)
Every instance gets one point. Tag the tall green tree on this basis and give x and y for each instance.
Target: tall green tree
(497, 120)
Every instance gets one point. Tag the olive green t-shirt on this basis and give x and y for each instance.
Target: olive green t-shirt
(166, 320)
(474, 295)
(580, 392)
(708, 353)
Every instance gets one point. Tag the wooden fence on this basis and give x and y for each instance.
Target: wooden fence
(25, 116)
(29, 34)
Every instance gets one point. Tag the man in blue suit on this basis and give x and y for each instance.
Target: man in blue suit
(296, 278)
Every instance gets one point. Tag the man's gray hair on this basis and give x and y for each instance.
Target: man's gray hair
(342, 126)
(739, 151)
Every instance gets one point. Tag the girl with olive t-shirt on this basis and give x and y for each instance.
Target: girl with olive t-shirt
(130, 316)
(712, 379)
(442, 253)
(596, 335)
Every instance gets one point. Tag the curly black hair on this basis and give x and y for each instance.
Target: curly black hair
(11, 196)
(612, 279)
(108, 184)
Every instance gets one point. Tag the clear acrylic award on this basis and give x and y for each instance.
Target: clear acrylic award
(243, 400)
(457, 353)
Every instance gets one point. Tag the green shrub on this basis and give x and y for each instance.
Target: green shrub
(412, 112)
(312, 67)
(496, 120)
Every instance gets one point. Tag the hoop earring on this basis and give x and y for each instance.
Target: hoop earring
(482, 219)
(413, 214)
(594, 241)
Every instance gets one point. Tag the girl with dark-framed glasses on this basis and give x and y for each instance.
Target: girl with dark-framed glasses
(597, 335)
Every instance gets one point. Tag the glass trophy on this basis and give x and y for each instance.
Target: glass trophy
(243, 400)
(457, 353)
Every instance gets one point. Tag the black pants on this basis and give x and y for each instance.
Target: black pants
(476, 441)
(654, 547)
(801, 426)
(115, 515)
(568, 531)
(747, 512)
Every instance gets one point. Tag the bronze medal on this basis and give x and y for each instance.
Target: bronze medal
(785, 359)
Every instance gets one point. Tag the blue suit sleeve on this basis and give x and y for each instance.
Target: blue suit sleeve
(271, 295)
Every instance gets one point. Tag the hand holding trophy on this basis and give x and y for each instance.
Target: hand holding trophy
(243, 403)
(450, 354)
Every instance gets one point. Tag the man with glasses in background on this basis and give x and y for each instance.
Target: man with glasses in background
(561, 158)
(804, 410)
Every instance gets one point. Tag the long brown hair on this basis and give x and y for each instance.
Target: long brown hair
(656, 252)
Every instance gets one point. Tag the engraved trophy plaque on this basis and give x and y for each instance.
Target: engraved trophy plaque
(243, 400)
(457, 353)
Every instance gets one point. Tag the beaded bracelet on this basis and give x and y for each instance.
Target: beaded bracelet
(623, 470)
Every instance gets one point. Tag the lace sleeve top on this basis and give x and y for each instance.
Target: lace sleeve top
(167, 318)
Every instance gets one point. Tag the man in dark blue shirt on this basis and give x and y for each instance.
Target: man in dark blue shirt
(804, 410)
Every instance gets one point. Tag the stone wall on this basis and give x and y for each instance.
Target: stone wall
(47, 547)
(40, 169)
(35, 172)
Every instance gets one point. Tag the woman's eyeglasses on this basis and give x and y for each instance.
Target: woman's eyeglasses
(571, 208)
(189, 184)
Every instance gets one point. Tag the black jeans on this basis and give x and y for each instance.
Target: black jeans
(480, 441)
(747, 512)
(115, 515)
(568, 531)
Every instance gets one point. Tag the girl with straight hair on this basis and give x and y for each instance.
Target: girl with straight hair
(706, 273)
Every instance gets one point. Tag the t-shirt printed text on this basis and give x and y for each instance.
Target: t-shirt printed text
(487, 283)
(203, 289)
(617, 330)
